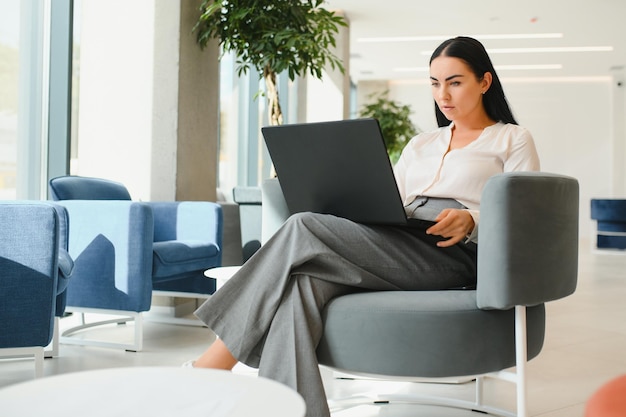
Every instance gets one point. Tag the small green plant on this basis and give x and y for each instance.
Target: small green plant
(395, 124)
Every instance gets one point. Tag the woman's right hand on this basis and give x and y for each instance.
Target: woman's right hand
(452, 224)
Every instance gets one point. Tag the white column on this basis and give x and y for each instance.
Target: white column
(329, 98)
(147, 99)
(115, 92)
(618, 130)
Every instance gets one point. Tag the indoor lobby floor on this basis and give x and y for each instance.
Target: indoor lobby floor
(584, 348)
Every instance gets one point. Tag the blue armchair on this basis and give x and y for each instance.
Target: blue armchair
(34, 273)
(125, 251)
(610, 217)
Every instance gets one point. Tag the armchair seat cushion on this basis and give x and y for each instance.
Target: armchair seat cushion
(172, 258)
(443, 332)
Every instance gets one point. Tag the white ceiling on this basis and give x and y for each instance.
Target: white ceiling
(583, 23)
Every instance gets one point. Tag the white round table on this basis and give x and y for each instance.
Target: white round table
(151, 392)
(221, 274)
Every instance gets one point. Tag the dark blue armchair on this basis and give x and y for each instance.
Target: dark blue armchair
(34, 272)
(610, 216)
(125, 251)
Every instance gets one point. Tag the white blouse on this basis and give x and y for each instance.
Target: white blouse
(426, 168)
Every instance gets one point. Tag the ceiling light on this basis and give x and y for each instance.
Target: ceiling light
(412, 69)
(521, 80)
(444, 37)
(550, 49)
(525, 67)
(522, 67)
(545, 49)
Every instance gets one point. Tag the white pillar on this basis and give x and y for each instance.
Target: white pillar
(147, 99)
(618, 154)
(329, 98)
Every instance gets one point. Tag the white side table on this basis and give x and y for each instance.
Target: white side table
(221, 274)
(151, 392)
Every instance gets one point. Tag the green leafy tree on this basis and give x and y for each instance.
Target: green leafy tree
(273, 36)
(395, 124)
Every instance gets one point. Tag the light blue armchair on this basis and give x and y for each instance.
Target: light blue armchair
(125, 251)
(34, 273)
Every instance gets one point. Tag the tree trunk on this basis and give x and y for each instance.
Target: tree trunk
(273, 105)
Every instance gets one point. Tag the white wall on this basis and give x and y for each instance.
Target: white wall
(324, 101)
(572, 123)
(127, 117)
(572, 127)
(116, 79)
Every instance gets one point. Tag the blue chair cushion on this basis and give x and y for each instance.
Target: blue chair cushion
(611, 242)
(175, 258)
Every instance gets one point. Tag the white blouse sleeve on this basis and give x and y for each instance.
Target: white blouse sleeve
(523, 154)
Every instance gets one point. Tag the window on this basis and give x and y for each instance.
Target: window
(22, 91)
(243, 158)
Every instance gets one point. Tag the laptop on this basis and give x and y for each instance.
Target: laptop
(340, 168)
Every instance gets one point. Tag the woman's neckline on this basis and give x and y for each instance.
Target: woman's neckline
(466, 143)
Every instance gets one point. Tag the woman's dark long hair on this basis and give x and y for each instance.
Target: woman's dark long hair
(475, 56)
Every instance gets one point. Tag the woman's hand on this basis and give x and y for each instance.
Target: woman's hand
(452, 224)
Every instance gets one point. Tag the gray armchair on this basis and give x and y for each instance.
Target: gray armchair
(34, 272)
(125, 252)
(527, 256)
(249, 201)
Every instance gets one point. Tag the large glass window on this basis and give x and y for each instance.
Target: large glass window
(9, 79)
(28, 30)
(243, 158)
(22, 92)
(228, 146)
(75, 85)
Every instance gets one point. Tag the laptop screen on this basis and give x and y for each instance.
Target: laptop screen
(339, 167)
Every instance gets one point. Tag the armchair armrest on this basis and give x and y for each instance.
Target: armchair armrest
(187, 220)
(66, 266)
(187, 238)
(275, 210)
(231, 239)
(29, 246)
(527, 240)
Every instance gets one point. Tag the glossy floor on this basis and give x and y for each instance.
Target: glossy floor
(585, 345)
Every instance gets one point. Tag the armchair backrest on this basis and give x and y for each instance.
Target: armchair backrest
(527, 239)
(73, 187)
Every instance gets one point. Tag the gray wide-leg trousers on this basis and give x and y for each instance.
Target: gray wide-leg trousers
(269, 314)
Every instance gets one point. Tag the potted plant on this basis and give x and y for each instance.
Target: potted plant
(395, 124)
(273, 36)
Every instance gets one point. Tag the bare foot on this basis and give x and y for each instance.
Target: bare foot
(217, 356)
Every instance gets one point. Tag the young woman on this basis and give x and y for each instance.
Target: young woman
(269, 314)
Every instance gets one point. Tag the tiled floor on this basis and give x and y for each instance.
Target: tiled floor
(585, 345)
